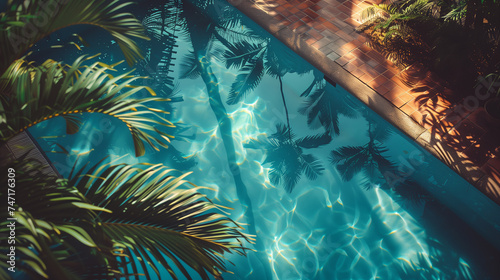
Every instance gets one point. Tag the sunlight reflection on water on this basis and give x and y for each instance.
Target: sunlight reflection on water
(325, 229)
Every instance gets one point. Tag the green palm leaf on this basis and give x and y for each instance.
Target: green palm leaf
(190, 68)
(314, 141)
(160, 221)
(36, 19)
(35, 94)
(48, 212)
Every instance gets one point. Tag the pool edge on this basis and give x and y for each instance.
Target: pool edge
(485, 183)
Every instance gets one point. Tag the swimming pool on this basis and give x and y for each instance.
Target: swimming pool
(343, 219)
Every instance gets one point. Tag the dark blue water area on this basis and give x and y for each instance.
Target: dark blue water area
(405, 215)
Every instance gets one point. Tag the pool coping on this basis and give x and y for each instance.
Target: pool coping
(375, 101)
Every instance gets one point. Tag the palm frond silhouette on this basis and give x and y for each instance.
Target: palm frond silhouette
(287, 159)
(376, 168)
(324, 106)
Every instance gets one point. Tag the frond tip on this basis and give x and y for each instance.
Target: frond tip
(52, 90)
(160, 221)
(55, 15)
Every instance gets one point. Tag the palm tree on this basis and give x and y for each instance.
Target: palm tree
(255, 55)
(26, 22)
(61, 232)
(116, 220)
(288, 161)
(201, 31)
(367, 159)
(376, 168)
(33, 94)
(324, 106)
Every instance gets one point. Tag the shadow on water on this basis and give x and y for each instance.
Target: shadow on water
(202, 30)
(370, 161)
(367, 169)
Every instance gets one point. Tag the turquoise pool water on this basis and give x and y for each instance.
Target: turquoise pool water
(403, 216)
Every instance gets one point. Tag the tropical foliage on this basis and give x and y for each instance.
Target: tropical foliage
(37, 93)
(111, 220)
(394, 26)
(32, 94)
(458, 40)
(115, 220)
(26, 22)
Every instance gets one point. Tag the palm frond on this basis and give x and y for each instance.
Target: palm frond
(371, 175)
(162, 20)
(317, 82)
(350, 160)
(248, 79)
(291, 175)
(160, 221)
(281, 60)
(383, 163)
(275, 176)
(238, 54)
(311, 107)
(287, 159)
(394, 17)
(52, 218)
(412, 192)
(282, 133)
(53, 90)
(324, 106)
(190, 68)
(312, 166)
(381, 132)
(232, 31)
(457, 13)
(44, 17)
(374, 14)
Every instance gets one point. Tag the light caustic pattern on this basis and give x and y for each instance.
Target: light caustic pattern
(325, 229)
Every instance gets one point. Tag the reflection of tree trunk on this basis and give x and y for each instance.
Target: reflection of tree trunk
(225, 128)
(286, 109)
